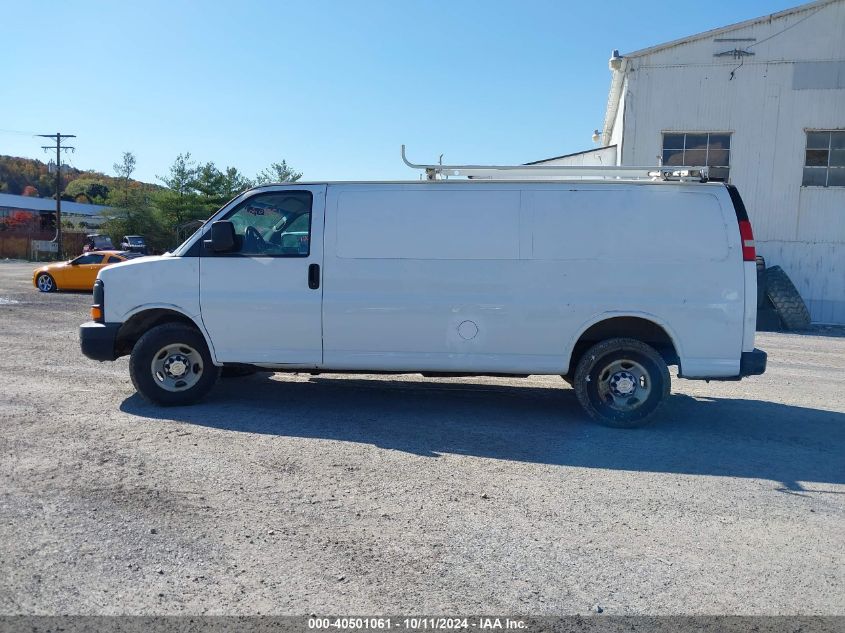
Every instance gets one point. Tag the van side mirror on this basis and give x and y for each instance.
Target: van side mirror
(222, 237)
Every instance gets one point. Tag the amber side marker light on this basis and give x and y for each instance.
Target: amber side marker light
(96, 313)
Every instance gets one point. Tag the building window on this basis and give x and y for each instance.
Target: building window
(824, 160)
(697, 149)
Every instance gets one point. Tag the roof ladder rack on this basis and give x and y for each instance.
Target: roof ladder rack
(560, 172)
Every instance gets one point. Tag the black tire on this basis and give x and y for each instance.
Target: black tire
(49, 284)
(631, 358)
(184, 340)
(761, 281)
(786, 299)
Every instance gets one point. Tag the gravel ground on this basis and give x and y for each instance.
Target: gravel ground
(291, 494)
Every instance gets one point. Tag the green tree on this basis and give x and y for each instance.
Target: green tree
(93, 190)
(183, 175)
(46, 185)
(124, 170)
(209, 183)
(180, 202)
(134, 213)
(126, 167)
(277, 172)
(131, 210)
(234, 182)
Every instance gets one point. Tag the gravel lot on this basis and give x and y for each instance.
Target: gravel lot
(291, 494)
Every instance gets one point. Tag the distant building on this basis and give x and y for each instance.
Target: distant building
(82, 216)
(763, 104)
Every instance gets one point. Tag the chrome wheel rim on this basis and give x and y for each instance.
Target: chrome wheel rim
(177, 367)
(45, 283)
(624, 385)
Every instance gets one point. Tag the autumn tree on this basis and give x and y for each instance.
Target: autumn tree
(20, 222)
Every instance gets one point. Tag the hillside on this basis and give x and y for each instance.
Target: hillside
(28, 176)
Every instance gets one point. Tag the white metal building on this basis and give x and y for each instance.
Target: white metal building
(84, 215)
(763, 103)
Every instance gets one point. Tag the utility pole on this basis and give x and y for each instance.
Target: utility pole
(58, 136)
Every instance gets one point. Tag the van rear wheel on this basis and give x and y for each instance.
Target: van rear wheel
(621, 382)
(170, 365)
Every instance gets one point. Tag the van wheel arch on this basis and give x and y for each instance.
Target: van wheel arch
(140, 323)
(638, 328)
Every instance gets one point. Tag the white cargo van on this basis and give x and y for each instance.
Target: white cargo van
(604, 282)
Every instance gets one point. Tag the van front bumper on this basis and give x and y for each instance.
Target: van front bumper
(752, 363)
(97, 340)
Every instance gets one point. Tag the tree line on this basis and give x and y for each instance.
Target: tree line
(30, 177)
(164, 212)
(189, 193)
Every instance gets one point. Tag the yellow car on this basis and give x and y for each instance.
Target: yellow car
(77, 274)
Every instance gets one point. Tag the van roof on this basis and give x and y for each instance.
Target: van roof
(482, 182)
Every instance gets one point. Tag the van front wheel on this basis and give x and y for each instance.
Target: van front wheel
(170, 365)
(621, 382)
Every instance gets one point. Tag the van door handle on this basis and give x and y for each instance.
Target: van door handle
(314, 276)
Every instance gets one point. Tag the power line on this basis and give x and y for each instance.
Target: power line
(58, 136)
(784, 30)
(19, 132)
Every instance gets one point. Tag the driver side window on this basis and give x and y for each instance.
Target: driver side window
(276, 224)
(88, 259)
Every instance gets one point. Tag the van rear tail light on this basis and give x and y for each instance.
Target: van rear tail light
(747, 236)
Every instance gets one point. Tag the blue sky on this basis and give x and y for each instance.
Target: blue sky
(332, 87)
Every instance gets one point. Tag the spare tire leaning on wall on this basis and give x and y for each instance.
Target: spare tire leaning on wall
(786, 300)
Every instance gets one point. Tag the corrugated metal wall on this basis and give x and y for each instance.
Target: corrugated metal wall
(599, 156)
(767, 108)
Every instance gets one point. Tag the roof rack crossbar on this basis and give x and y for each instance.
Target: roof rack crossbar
(561, 172)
